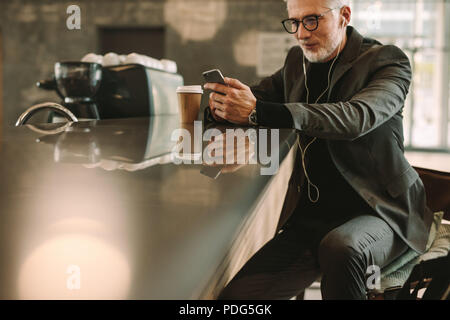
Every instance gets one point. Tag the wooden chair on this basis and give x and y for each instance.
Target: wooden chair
(437, 187)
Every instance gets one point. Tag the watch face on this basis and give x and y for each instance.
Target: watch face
(252, 117)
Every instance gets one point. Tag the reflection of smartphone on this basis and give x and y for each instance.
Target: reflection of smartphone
(214, 76)
(212, 172)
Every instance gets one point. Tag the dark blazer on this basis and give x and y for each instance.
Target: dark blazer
(362, 125)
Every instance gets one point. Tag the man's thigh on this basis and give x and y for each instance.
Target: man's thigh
(367, 235)
(281, 269)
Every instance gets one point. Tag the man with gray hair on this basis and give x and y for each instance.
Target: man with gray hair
(353, 200)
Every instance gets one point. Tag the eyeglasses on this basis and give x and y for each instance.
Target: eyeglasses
(310, 23)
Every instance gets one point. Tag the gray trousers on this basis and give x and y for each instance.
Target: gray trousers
(297, 256)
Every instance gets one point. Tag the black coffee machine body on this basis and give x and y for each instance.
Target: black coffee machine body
(91, 91)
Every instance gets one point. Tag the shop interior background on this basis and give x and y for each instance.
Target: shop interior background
(243, 38)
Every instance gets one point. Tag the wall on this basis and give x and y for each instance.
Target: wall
(201, 34)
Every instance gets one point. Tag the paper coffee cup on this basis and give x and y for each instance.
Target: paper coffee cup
(189, 99)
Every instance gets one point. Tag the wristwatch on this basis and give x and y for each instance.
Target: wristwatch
(252, 119)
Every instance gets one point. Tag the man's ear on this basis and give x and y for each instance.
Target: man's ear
(346, 15)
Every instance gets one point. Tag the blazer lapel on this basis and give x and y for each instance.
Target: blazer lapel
(348, 55)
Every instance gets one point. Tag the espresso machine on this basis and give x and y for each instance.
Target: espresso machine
(92, 91)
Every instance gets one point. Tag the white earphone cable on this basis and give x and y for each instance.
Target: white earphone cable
(315, 138)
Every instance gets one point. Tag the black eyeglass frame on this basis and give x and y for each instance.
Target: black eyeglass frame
(297, 22)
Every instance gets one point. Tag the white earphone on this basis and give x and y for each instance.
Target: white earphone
(315, 138)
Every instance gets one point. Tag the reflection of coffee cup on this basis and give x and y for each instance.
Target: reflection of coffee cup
(189, 99)
(189, 144)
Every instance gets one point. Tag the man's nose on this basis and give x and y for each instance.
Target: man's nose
(302, 33)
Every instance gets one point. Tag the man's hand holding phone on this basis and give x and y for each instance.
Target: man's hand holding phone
(214, 76)
(231, 100)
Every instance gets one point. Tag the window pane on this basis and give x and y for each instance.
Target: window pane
(418, 27)
(448, 115)
(427, 106)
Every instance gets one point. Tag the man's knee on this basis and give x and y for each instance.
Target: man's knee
(339, 251)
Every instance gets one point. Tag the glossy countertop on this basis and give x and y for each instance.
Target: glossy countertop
(102, 210)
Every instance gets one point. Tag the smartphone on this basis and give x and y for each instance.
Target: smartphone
(214, 76)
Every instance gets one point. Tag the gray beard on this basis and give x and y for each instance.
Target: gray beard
(323, 54)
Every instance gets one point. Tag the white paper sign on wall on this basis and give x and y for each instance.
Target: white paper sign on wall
(272, 50)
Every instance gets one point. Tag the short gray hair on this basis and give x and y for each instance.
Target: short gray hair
(338, 3)
(334, 3)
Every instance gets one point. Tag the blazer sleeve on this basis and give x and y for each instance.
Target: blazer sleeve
(377, 102)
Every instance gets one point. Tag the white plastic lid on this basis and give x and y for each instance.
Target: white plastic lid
(190, 89)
